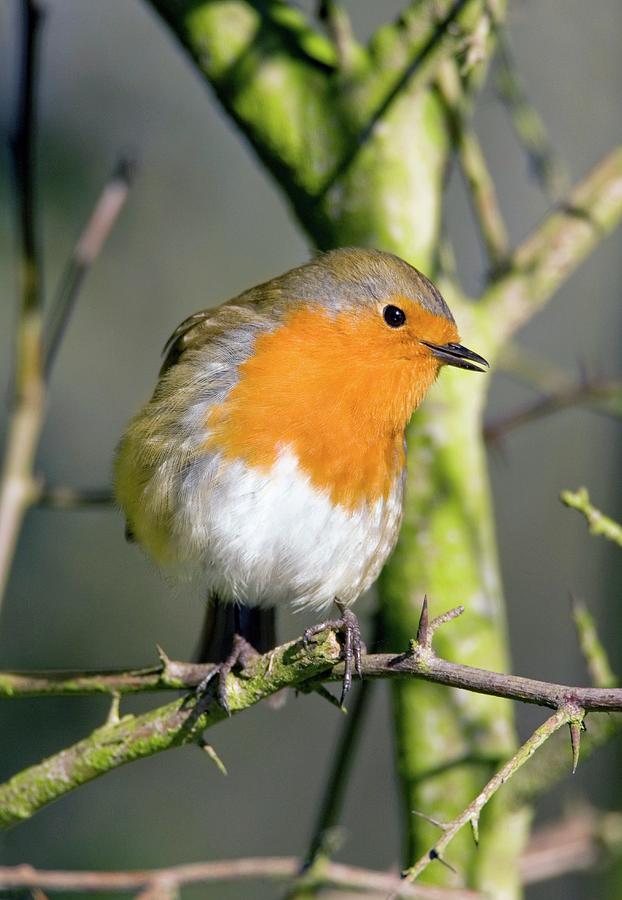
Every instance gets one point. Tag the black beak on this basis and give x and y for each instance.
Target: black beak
(457, 355)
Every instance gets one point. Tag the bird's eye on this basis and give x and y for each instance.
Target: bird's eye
(394, 316)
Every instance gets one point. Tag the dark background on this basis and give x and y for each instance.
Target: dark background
(202, 223)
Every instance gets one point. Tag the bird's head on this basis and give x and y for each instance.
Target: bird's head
(376, 323)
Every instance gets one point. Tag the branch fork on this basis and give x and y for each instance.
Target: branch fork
(421, 647)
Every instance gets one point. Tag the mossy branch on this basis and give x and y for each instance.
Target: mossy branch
(183, 721)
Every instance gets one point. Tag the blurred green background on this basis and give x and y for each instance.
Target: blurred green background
(203, 222)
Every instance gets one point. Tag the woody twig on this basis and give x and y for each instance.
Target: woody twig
(570, 713)
(128, 738)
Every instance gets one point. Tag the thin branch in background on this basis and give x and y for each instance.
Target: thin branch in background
(479, 183)
(583, 840)
(601, 396)
(545, 163)
(555, 248)
(334, 791)
(275, 868)
(17, 485)
(598, 522)
(88, 247)
(569, 714)
(576, 844)
(62, 498)
(339, 28)
(325, 838)
(19, 488)
(594, 654)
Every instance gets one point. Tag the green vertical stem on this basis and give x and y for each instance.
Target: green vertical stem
(447, 743)
(362, 155)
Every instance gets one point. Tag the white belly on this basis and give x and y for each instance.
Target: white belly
(273, 538)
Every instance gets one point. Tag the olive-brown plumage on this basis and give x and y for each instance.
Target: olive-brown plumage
(270, 458)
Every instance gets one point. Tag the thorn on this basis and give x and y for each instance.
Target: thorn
(113, 717)
(162, 656)
(436, 822)
(474, 822)
(423, 635)
(322, 692)
(575, 743)
(207, 748)
(433, 854)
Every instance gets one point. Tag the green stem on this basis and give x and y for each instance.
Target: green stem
(599, 523)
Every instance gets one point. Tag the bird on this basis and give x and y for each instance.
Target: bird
(270, 461)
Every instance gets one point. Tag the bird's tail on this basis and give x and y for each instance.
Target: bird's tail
(256, 624)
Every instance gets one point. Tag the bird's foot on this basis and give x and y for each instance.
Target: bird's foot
(242, 654)
(347, 627)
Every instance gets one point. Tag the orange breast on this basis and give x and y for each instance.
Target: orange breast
(337, 390)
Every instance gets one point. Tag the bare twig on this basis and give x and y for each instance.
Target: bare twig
(576, 844)
(17, 486)
(546, 164)
(62, 497)
(594, 654)
(570, 713)
(599, 523)
(480, 185)
(274, 868)
(88, 247)
(601, 396)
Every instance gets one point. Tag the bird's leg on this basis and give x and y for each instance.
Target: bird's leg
(242, 653)
(353, 647)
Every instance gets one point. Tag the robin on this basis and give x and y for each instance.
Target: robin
(270, 460)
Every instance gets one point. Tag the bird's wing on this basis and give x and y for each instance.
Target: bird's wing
(201, 328)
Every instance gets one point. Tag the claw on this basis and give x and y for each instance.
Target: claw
(241, 655)
(348, 626)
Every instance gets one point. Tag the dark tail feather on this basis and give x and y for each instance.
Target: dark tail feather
(255, 624)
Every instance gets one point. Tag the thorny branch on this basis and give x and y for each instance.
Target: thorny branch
(130, 738)
(419, 662)
(571, 714)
